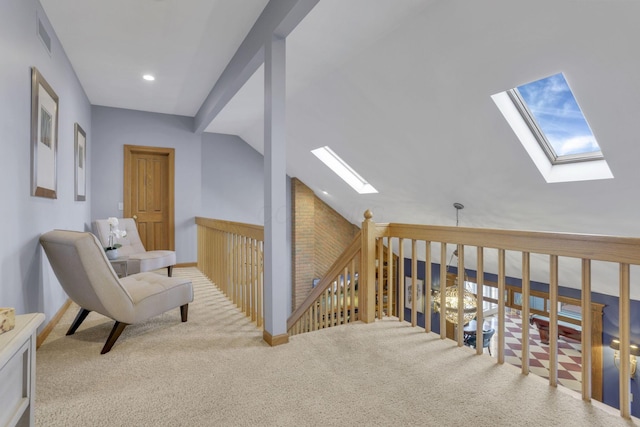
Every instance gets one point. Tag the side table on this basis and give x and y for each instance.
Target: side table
(121, 262)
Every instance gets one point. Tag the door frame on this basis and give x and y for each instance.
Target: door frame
(129, 150)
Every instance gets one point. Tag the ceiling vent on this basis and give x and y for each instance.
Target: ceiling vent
(44, 36)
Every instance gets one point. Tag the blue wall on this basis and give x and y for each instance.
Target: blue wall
(232, 179)
(28, 283)
(115, 127)
(610, 392)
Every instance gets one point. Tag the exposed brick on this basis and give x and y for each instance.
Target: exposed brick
(319, 236)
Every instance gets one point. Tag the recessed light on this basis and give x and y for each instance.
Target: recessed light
(148, 77)
(325, 192)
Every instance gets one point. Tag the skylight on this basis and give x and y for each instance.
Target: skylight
(343, 170)
(552, 112)
(547, 120)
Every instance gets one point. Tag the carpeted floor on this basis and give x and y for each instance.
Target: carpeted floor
(215, 370)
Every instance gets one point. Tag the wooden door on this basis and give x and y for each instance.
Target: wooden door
(149, 194)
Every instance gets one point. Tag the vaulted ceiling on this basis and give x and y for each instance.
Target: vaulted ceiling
(400, 89)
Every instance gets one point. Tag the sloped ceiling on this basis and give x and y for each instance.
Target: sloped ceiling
(401, 89)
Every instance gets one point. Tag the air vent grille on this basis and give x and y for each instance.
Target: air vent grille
(44, 36)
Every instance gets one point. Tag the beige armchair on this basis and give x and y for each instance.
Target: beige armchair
(82, 267)
(139, 259)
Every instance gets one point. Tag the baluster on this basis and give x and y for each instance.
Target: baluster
(353, 306)
(260, 281)
(401, 279)
(314, 313)
(380, 277)
(344, 294)
(586, 329)
(443, 289)
(427, 287)
(461, 289)
(390, 276)
(325, 323)
(625, 353)
(414, 283)
(480, 298)
(526, 285)
(501, 307)
(553, 322)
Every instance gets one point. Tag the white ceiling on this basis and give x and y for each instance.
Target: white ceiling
(186, 44)
(401, 89)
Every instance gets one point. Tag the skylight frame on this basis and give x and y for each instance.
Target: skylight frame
(539, 135)
(566, 172)
(343, 170)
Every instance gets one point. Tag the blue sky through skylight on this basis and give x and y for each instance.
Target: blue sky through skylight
(558, 115)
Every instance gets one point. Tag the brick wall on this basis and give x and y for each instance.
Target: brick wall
(319, 236)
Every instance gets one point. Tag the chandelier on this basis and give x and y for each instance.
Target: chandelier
(451, 295)
(469, 304)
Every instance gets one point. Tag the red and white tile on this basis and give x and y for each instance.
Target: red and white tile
(569, 356)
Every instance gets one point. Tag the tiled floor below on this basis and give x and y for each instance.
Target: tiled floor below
(569, 357)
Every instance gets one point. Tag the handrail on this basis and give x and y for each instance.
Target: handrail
(335, 270)
(249, 230)
(585, 246)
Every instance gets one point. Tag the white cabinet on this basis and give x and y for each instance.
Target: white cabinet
(18, 371)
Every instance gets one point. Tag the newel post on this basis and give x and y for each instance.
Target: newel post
(367, 280)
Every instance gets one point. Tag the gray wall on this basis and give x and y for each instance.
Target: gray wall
(233, 185)
(112, 129)
(232, 179)
(27, 282)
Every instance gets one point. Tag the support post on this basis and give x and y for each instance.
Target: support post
(367, 280)
(275, 200)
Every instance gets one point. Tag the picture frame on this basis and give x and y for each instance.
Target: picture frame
(420, 296)
(44, 137)
(408, 303)
(80, 155)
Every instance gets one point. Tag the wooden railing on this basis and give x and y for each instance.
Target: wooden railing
(334, 300)
(231, 255)
(622, 252)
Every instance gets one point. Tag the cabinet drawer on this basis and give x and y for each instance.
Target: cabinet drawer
(14, 386)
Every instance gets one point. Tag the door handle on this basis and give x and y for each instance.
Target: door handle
(135, 217)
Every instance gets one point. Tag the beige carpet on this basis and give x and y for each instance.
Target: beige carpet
(215, 370)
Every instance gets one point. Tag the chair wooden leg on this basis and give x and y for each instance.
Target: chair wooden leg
(184, 310)
(113, 336)
(170, 270)
(82, 314)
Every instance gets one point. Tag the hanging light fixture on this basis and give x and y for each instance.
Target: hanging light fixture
(469, 304)
(451, 294)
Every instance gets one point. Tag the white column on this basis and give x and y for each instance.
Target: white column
(275, 220)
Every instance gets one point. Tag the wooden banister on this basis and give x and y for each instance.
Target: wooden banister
(582, 246)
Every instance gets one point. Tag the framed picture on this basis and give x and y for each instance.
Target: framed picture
(44, 137)
(80, 162)
(408, 296)
(408, 303)
(420, 297)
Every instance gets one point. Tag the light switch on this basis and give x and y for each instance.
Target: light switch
(120, 206)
